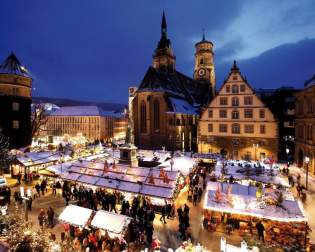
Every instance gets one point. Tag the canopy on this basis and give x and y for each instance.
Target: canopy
(242, 200)
(114, 224)
(75, 215)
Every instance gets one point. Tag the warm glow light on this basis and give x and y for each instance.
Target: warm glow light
(307, 159)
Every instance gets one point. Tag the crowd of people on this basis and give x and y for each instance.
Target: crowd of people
(197, 184)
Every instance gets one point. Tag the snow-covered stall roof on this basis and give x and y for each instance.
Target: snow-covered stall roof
(115, 224)
(147, 181)
(243, 201)
(37, 158)
(59, 168)
(182, 164)
(75, 215)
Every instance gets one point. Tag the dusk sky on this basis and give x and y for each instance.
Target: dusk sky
(94, 50)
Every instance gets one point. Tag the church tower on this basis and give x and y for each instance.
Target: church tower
(204, 65)
(164, 58)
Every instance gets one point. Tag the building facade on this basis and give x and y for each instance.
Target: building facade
(15, 100)
(237, 123)
(165, 107)
(305, 125)
(281, 102)
(89, 121)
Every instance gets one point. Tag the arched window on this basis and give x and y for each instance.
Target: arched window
(156, 115)
(201, 61)
(236, 129)
(143, 117)
(235, 101)
(235, 89)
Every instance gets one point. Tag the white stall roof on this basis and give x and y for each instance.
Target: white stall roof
(75, 215)
(114, 223)
(157, 191)
(244, 202)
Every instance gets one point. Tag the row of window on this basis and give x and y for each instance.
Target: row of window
(235, 114)
(235, 88)
(305, 132)
(248, 100)
(236, 128)
(305, 105)
(75, 119)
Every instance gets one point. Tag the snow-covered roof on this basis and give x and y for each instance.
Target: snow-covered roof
(75, 215)
(244, 202)
(37, 158)
(180, 106)
(84, 111)
(114, 224)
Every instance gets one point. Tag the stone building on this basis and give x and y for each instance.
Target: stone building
(15, 100)
(237, 123)
(166, 105)
(89, 121)
(305, 125)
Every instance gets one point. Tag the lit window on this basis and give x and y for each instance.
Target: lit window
(15, 106)
(262, 129)
(15, 124)
(210, 127)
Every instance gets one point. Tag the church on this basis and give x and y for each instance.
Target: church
(165, 108)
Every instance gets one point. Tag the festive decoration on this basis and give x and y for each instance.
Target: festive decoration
(151, 179)
(218, 194)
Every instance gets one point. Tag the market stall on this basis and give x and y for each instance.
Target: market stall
(156, 184)
(115, 224)
(76, 216)
(239, 207)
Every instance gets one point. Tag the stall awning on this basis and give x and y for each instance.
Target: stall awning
(114, 224)
(75, 215)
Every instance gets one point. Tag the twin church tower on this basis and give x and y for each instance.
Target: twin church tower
(167, 104)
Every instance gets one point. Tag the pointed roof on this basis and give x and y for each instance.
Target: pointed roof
(203, 40)
(234, 67)
(164, 41)
(175, 84)
(163, 25)
(13, 66)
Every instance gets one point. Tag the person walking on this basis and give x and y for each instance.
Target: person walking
(37, 187)
(41, 218)
(163, 214)
(260, 229)
(50, 215)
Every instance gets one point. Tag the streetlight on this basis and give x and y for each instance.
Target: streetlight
(26, 199)
(287, 150)
(307, 160)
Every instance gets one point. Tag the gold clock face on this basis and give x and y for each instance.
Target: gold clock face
(201, 72)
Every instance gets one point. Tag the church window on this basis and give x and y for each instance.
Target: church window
(201, 61)
(235, 114)
(236, 128)
(227, 88)
(235, 89)
(235, 102)
(156, 114)
(143, 118)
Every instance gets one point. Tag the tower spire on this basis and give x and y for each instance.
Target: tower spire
(163, 25)
(203, 35)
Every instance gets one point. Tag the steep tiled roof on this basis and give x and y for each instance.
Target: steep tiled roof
(13, 66)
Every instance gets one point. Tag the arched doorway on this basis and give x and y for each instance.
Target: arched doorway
(300, 158)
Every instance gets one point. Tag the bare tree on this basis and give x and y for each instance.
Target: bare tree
(39, 119)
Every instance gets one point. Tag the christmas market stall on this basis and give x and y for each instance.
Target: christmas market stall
(76, 216)
(157, 185)
(116, 225)
(248, 209)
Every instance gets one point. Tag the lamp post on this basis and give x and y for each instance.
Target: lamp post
(287, 151)
(26, 199)
(172, 163)
(307, 160)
